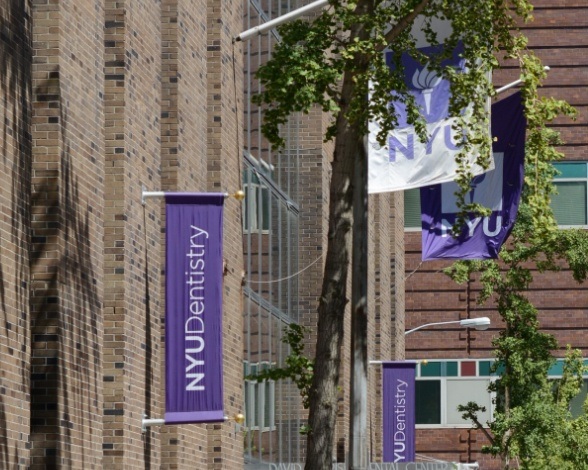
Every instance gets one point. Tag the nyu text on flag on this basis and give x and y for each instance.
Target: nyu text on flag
(498, 189)
(193, 308)
(405, 162)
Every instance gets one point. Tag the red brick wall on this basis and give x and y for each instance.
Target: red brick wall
(454, 445)
(556, 38)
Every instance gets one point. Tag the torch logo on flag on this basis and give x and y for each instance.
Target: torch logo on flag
(426, 81)
(406, 162)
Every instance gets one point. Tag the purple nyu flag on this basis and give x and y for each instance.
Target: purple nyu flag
(193, 308)
(405, 162)
(398, 408)
(498, 189)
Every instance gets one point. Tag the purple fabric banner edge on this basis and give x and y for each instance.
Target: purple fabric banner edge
(194, 417)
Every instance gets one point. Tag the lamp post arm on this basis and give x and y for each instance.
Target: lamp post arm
(431, 324)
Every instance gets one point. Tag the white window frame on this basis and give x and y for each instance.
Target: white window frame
(412, 228)
(559, 179)
(258, 196)
(257, 201)
(444, 379)
(260, 393)
(444, 397)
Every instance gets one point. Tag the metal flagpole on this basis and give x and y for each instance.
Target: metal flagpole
(257, 30)
(515, 83)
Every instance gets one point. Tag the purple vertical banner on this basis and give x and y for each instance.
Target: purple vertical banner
(193, 308)
(399, 410)
(498, 189)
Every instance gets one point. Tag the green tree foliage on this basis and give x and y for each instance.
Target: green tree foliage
(538, 432)
(297, 367)
(532, 424)
(336, 62)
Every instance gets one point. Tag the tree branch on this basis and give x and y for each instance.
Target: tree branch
(483, 429)
(470, 412)
(405, 22)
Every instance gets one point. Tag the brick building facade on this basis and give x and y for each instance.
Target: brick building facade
(557, 37)
(104, 98)
(101, 100)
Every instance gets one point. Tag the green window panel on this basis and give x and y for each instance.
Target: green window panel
(431, 369)
(556, 369)
(451, 369)
(569, 205)
(412, 208)
(439, 369)
(571, 170)
(428, 401)
(484, 368)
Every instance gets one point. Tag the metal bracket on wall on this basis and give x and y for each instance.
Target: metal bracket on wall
(238, 195)
(146, 422)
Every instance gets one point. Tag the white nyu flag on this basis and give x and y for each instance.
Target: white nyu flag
(405, 162)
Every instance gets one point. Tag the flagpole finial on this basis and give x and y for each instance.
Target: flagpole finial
(239, 195)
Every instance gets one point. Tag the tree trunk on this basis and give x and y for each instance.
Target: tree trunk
(349, 148)
(323, 395)
(358, 448)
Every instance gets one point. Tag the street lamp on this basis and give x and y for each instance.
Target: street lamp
(481, 323)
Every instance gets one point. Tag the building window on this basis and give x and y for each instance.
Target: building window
(442, 386)
(412, 209)
(437, 400)
(577, 403)
(570, 204)
(428, 401)
(256, 205)
(260, 399)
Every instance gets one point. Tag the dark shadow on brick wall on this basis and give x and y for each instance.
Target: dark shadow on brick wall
(66, 307)
(147, 441)
(15, 84)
